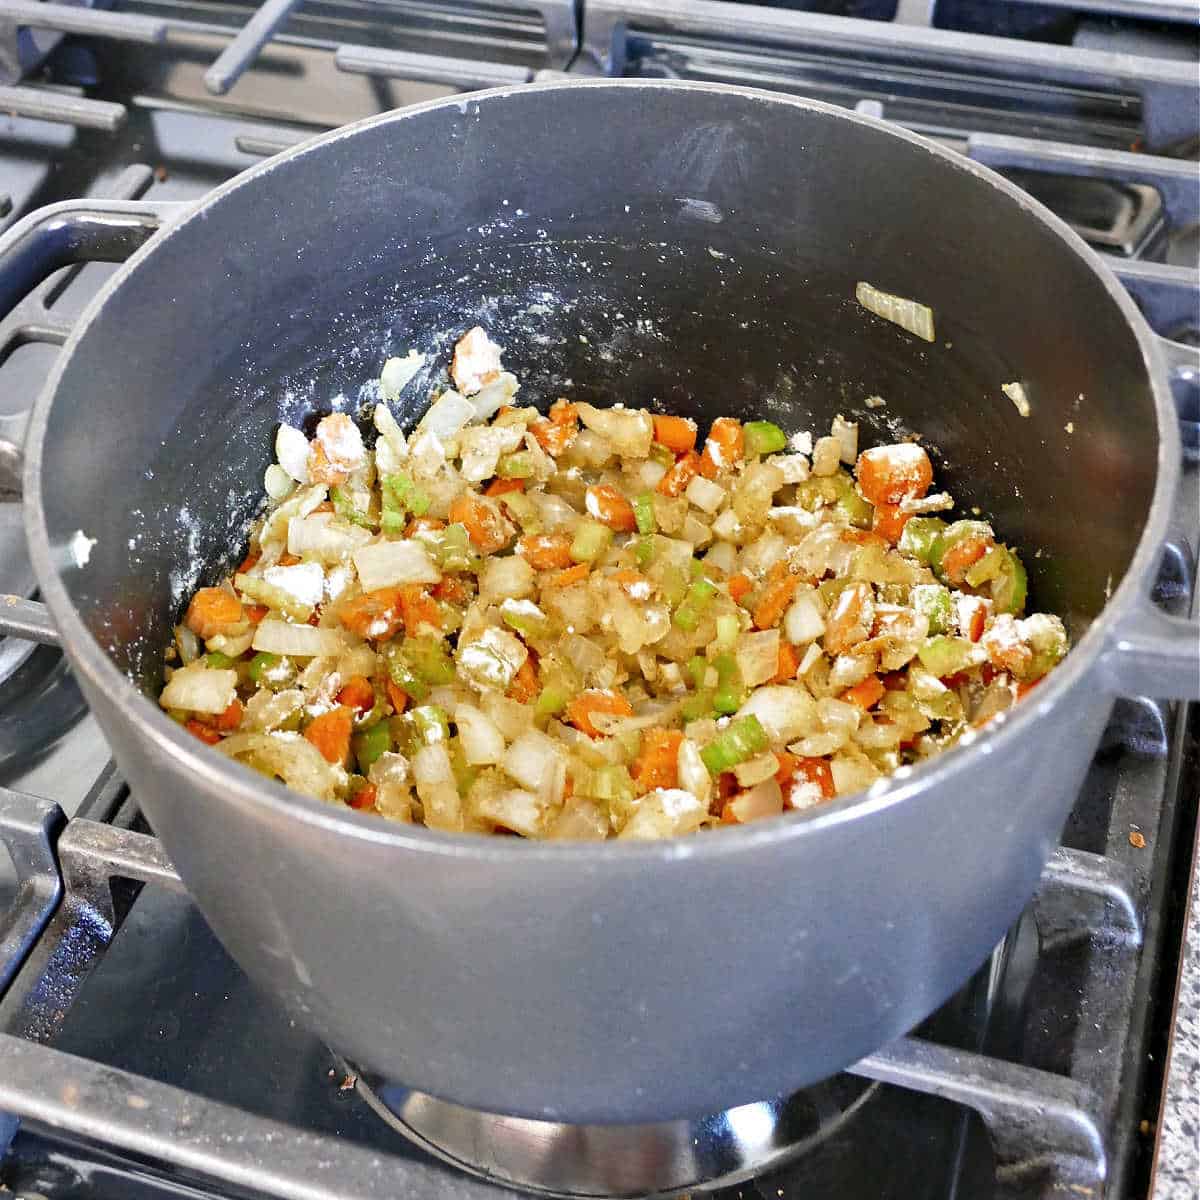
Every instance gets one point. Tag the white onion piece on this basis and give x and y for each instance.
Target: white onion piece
(757, 656)
(756, 770)
(304, 582)
(505, 578)
(447, 415)
(291, 449)
(784, 712)
(392, 434)
(535, 762)
(664, 812)
(846, 433)
(827, 454)
(705, 494)
(287, 755)
(793, 467)
(804, 621)
(392, 564)
(323, 537)
(234, 646)
(476, 359)
(629, 430)
(912, 317)
(482, 742)
(514, 809)
(693, 774)
(494, 395)
(765, 799)
(277, 483)
(398, 373)
(722, 556)
(199, 688)
(302, 641)
(852, 774)
(481, 449)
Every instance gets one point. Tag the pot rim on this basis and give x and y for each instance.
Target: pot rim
(238, 785)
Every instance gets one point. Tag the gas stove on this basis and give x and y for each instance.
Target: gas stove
(137, 1061)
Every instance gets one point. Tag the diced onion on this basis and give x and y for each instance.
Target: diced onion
(912, 317)
(289, 757)
(758, 656)
(501, 578)
(398, 373)
(277, 483)
(693, 774)
(846, 433)
(722, 556)
(827, 454)
(199, 688)
(291, 449)
(514, 809)
(630, 431)
(763, 800)
(447, 415)
(302, 641)
(784, 712)
(482, 742)
(323, 537)
(536, 763)
(304, 582)
(391, 564)
(793, 467)
(664, 812)
(705, 494)
(495, 395)
(391, 433)
(756, 770)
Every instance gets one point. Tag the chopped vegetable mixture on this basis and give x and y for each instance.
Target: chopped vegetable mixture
(596, 623)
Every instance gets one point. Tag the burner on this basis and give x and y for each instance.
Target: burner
(668, 1159)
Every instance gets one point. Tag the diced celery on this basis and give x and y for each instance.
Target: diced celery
(343, 506)
(643, 513)
(850, 504)
(697, 706)
(919, 537)
(431, 724)
(816, 492)
(401, 673)
(934, 601)
(644, 553)
(697, 669)
(731, 691)
(591, 540)
(699, 595)
(945, 656)
(607, 783)
(525, 617)
(742, 740)
(451, 549)
(550, 702)
(523, 510)
(392, 517)
(407, 494)
(1001, 568)
(429, 659)
(516, 466)
(663, 455)
(763, 437)
(729, 625)
(272, 671)
(219, 661)
(952, 535)
(369, 743)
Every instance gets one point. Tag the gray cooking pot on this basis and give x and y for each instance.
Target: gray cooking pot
(686, 246)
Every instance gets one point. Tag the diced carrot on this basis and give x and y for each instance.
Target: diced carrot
(633, 583)
(846, 624)
(596, 700)
(888, 474)
(727, 785)
(739, 585)
(864, 695)
(563, 412)
(486, 527)
(398, 698)
(788, 662)
(213, 611)
(556, 433)
(815, 771)
(314, 618)
(374, 614)
(423, 525)
(206, 733)
(418, 609)
(330, 733)
(231, 718)
(357, 694)
(862, 537)
(962, 556)
(324, 506)
(606, 505)
(976, 618)
(1024, 688)
(569, 787)
(545, 551)
(676, 433)
(572, 575)
(525, 683)
(364, 797)
(774, 599)
(501, 487)
(256, 612)
(724, 447)
(289, 560)
(656, 766)
(787, 766)
(675, 481)
(504, 410)
(248, 562)
(888, 521)
(451, 589)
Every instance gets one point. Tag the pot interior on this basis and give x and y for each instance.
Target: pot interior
(690, 249)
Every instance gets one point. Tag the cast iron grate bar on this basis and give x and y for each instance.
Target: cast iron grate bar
(1168, 89)
(88, 22)
(1177, 181)
(27, 828)
(463, 73)
(1184, 11)
(62, 108)
(247, 44)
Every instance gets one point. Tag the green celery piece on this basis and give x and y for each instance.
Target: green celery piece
(742, 740)
(663, 455)
(697, 706)
(763, 437)
(219, 661)
(957, 532)
(934, 601)
(407, 493)
(402, 674)
(464, 774)
(516, 466)
(987, 568)
(550, 702)
(431, 724)
(269, 670)
(591, 540)
(850, 504)
(643, 513)
(429, 659)
(688, 615)
(728, 628)
(525, 617)
(369, 743)
(919, 537)
(644, 552)
(344, 508)
(697, 669)
(1011, 586)
(392, 517)
(731, 692)
(945, 656)
(817, 492)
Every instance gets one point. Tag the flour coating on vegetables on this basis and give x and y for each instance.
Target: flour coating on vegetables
(594, 623)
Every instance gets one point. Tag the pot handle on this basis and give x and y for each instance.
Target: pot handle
(1157, 654)
(60, 235)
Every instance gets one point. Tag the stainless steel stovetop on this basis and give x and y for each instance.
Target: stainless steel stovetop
(138, 1061)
